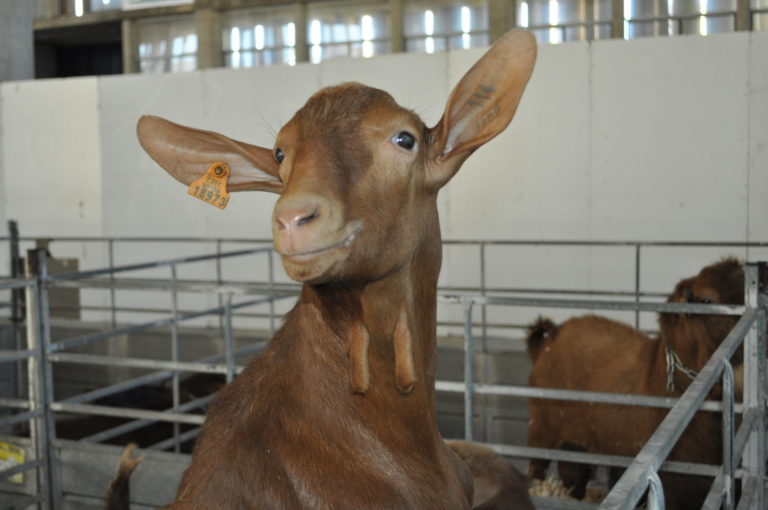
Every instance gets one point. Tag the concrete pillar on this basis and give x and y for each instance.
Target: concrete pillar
(396, 35)
(502, 17)
(743, 16)
(617, 19)
(302, 44)
(17, 41)
(130, 46)
(209, 47)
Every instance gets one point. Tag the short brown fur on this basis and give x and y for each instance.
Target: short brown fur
(338, 411)
(597, 354)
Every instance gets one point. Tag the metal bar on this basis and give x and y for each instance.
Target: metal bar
(128, 412)
(728, 436)
(637, 285)
(754, 460)
(97, 359)
(573, 395)
(15, 403)
(469, 374)
(21, 468)
(527, 452)
(655, 492)
(21, 283)
(9, 421)
(153, 265)
(105, 435)
(715, 496)
(11, 356)
(228, 347)
(86, 339)
(629, 489)
(175, 355)
(112, 297)
(596, 305)
(154, 376)
(46, 375)
(117, 387)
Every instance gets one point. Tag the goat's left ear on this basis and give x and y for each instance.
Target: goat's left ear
(482, 104)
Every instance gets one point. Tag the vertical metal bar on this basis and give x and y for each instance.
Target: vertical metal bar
(47, 374)
(483, 292)
(218, 282)
(41, 377)
(728, 427)
(175, 355)
(16, 294)
(271, 263)
(637, 284)
(17, 307)
(37, 430)
(112, 303)
(228, 347)
(469, 373)
(753, 460)
(655, 492)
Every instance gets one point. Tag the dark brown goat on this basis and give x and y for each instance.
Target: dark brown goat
(338, 411)
(597, 354)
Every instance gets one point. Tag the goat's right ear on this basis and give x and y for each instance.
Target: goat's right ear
(186, 153)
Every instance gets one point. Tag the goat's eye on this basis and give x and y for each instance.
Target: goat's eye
(405, 140)
(279, 156)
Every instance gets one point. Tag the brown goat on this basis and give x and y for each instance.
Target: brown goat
(338, 411)
(597, 354)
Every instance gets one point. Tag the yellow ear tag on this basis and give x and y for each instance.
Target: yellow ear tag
(211, 187)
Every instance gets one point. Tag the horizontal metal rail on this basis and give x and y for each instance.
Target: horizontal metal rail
(128, 412)
(152, 265)
(21, 468)
(529, 452)
(593, 305)
(597, 397)
(90, 338)
(180, 366)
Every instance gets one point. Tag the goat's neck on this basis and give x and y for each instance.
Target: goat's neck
(385, 327)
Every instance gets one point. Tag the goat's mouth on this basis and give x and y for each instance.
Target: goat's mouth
(316, 264)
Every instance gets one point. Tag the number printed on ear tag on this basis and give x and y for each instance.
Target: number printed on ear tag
(211, 187)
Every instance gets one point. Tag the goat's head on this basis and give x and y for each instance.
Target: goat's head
(358, 175)
(719, 283)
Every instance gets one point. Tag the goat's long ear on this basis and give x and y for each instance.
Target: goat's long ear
(186, 153)
(482, 104)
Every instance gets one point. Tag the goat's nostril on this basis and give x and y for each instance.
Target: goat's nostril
(308, 219)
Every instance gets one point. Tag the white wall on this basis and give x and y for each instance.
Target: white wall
(650, 139)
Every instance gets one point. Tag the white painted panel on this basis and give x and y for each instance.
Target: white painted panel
(416, 81)
(51, 152)
(758, 134)
(669, 141)
(530, 182)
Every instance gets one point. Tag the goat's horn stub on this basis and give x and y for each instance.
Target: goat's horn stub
(405, 373)
(359, 369)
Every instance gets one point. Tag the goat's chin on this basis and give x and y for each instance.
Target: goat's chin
(317, 268)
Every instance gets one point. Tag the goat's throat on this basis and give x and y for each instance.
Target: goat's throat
(381, 335)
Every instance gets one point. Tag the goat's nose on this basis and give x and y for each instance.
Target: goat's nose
(296, 213)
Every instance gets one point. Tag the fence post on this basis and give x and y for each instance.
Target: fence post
(753, 462)
(469, 373)
(40, 375)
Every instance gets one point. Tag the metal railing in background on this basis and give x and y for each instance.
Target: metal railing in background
(43, 353)
(31, 468)
(745, 445)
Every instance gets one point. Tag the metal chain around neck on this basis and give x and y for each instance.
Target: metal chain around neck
(674, 362)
